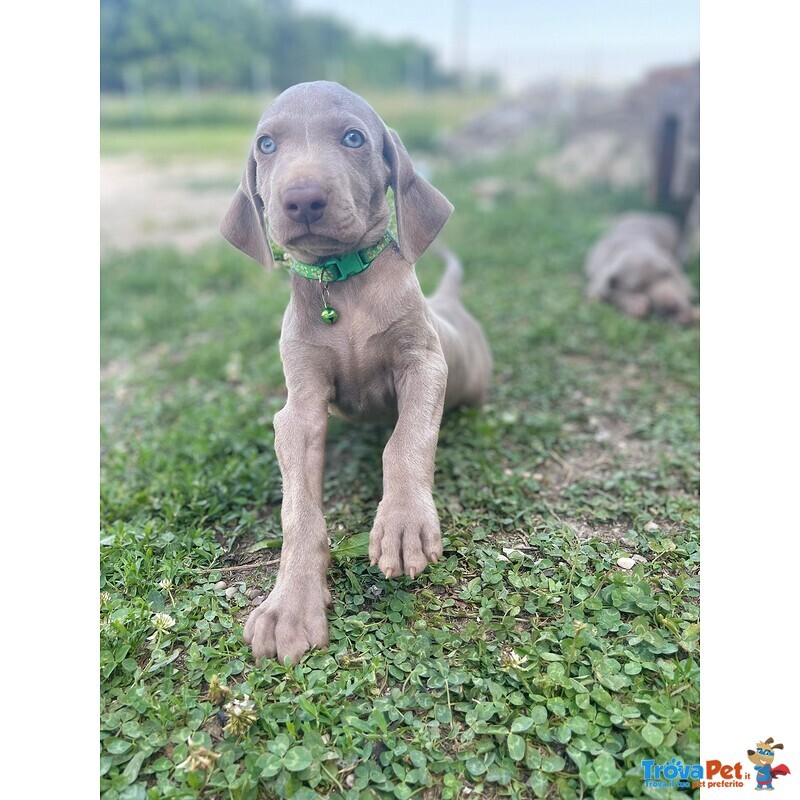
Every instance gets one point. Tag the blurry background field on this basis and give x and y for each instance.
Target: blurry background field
(528, 662)
(216, 125)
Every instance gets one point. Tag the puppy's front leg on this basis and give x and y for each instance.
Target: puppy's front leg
(406, 535)
(292, 619)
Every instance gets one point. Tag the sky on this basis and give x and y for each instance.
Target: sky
(607, 41)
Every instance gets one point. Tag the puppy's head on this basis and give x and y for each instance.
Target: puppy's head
(649, 272)
(671, 298)
(316, 179)
(638, 263)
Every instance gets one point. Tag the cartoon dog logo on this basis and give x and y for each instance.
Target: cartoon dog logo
(762, 757)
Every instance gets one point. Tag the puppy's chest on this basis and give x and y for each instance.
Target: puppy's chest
(363, 378)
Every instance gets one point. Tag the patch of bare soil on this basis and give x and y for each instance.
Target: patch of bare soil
(180, 203)
(605, 444)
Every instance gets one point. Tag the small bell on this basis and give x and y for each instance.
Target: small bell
(329, 315)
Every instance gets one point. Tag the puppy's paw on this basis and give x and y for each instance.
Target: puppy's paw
(405, 537)
(289, 622)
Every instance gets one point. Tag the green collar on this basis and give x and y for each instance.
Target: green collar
(341, 268)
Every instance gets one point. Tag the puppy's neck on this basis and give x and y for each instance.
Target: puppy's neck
(370, 286)
(341, 267)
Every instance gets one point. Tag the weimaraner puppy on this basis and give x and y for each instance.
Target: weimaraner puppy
(358, 336)
(634, 266)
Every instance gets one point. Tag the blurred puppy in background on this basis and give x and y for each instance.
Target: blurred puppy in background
(634, 266)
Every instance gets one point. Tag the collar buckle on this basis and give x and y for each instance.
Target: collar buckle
(341, 268)
(345, 266)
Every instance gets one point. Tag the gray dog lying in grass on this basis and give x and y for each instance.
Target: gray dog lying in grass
(358, 337)
(634, 266)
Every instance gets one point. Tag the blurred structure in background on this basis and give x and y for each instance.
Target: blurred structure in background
(644, 136)
(670, 98)
(668, 102)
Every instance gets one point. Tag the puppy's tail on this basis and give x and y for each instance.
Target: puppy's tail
(450, 284)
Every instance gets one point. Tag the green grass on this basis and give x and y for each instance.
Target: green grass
(526, 663)
(229, 141)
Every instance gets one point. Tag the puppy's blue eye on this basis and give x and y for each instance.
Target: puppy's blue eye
(266, 144)
(353, 138)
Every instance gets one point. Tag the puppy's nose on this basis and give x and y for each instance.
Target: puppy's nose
(305, 201)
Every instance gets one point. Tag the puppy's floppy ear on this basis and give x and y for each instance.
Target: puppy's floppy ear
(602, 276)
(421, 210)
(243, 226)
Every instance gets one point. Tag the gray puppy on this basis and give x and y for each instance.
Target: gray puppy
(358, 337)
(634, 267)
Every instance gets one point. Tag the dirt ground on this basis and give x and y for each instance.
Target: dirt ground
(180, 204)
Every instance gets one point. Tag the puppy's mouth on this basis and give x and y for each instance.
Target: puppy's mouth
(318, 241)
(319, 245)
